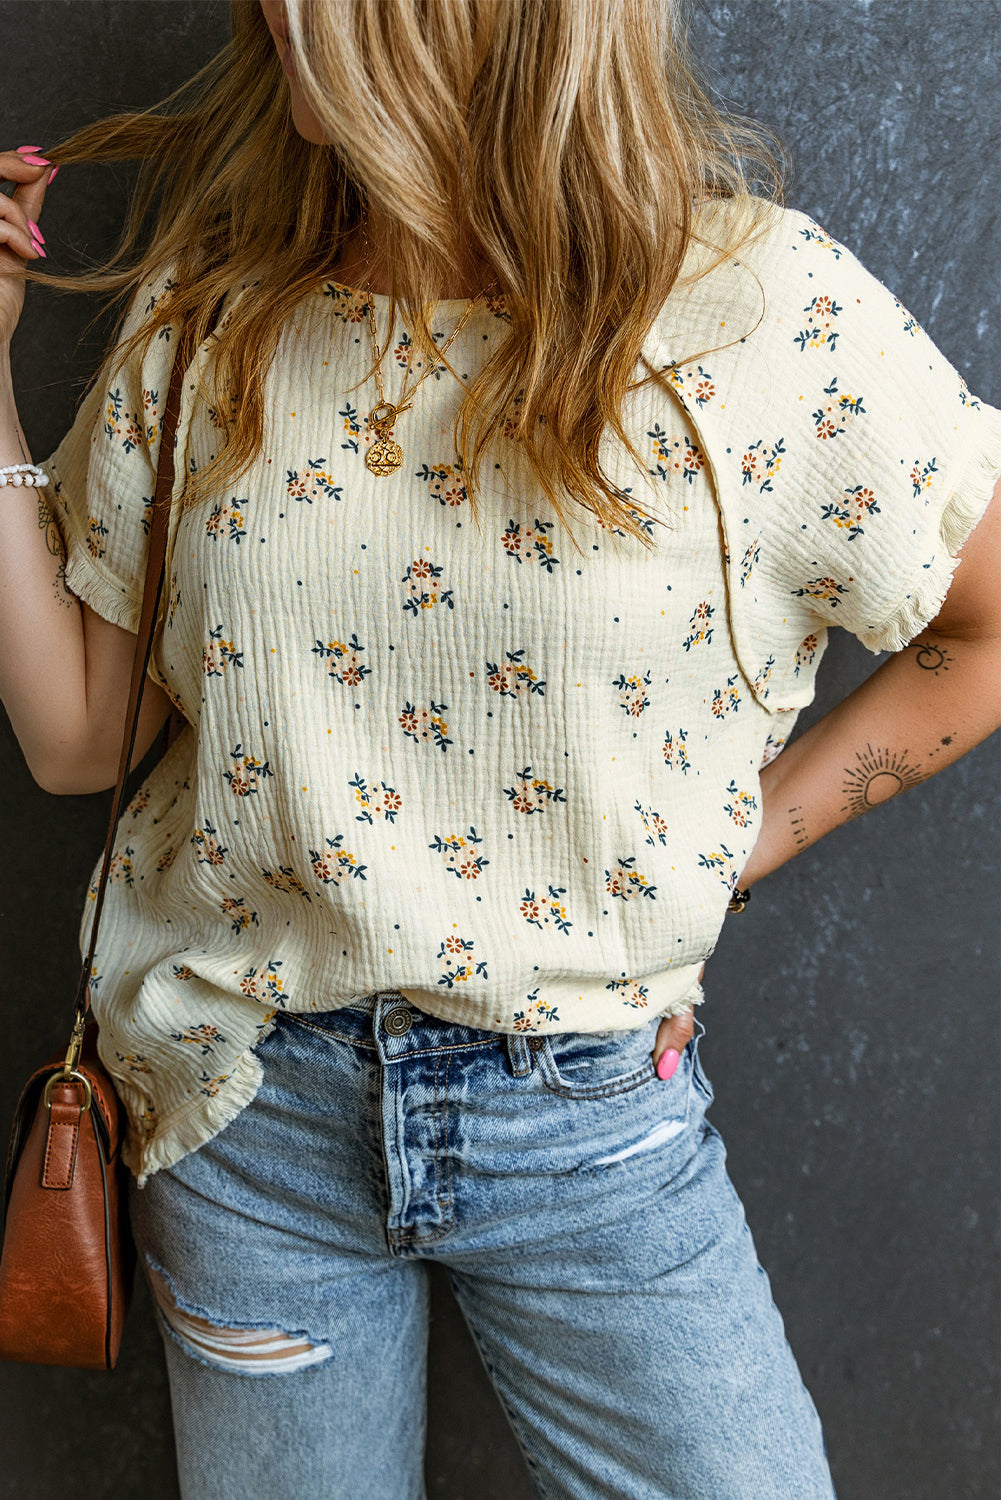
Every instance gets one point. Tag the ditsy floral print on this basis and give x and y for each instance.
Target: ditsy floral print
(510, 767)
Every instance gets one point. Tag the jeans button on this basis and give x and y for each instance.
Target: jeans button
(536, 1043)
(398, 1022)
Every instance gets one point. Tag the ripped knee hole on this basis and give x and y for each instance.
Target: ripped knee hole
(233, 1347)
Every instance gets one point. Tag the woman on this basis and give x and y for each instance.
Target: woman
(409, 923)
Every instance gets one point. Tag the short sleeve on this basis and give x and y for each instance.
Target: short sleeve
(103, 473)
(849, 460)
(897, 459)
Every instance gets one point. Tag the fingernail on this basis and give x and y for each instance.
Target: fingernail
(29, 148)
(36, 231)
(39, 250)
(52, 174)
(667, 1062)
(37, 161)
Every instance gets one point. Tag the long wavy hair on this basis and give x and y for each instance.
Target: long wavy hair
(576, 135)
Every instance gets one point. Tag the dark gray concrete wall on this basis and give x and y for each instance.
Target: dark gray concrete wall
(852, 1009)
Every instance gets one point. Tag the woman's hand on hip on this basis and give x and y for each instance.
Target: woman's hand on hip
(673, 1035)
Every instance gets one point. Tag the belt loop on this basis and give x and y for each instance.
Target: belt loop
(520, 1058)
(694, 1045)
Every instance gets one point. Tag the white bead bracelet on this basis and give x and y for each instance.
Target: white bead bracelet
(30, 474)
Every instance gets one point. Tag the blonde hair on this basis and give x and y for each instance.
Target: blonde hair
(576, 135)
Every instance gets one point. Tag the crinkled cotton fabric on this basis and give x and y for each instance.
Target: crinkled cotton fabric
(505, 768)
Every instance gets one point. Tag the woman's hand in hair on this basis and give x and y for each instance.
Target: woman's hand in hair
(18, 215)
(673, 1035)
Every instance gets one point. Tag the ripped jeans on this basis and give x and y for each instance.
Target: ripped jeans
(593, 1240)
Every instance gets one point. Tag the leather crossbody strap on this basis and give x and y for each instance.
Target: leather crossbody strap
(155, 565)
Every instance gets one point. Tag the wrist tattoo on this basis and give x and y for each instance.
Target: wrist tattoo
(932, 657)
(879, 776)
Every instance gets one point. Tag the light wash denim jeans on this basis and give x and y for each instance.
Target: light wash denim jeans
(592, 1237)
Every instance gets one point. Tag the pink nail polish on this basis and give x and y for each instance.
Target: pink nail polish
(36, 232)
(667, 1062)
(39, 250)
(29, 148)
(52, 174)
(37, 161)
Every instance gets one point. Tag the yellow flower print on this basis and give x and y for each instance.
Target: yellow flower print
(921, 475)
(530, 794)
(218, 654)
(460, 962)
(700, 631)
(741, 806)
(459, 854)
(626, 882)
(630, 992)
(513, 677)
(675, 454)
(445, 483)
(236, 908)
(245, 773)
(263, 983)
(832, 419)
(538, 1012)
(343, 661)
(423, 588)
(676, 751)
(313, 481)
(848, 513)
(759, 464)
(334, 864)
(654, 824)
(285, 879)
(226, 520)
(207, 851)
(546, 911)
(726, 700)
(805, 652)
(425, 725)
(96, 532)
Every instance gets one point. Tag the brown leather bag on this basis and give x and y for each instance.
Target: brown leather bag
(68, 1260)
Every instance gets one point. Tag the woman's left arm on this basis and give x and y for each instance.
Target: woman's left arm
(924, 708)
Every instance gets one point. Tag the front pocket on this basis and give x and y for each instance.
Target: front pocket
(597, 1065)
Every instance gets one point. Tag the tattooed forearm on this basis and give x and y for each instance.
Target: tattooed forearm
(57, 548)
(924, 708)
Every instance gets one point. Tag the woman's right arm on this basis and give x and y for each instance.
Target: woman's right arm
(64, 671)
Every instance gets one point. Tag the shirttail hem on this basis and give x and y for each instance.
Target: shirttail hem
(183, 1132)
(965, 506)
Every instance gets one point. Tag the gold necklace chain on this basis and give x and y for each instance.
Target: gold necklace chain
(385, 455)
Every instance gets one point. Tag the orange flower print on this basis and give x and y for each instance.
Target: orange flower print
(626, 882)
(459, 854)
(423, 589)
(444, 482)
(700, 631)
(759, 464)
(125, 427)
(675, 454)
(773, 746)
(343, 660)
(530, 794)
(655, 825)
(546, 911)
(235, 907)
(96, 532)
(726, 700)
(820, 237)
(805, 652)
(285, 879)
(245, 773)
(856, 503)
(826, 589)
(211, 1086)
(207, 851)
(921, 475)
(676, 751)
(134, 1061)
(226, 519)
(749, 560)
(148, 1123)
(697, 384)
(311, 482)
(645, 523)
(534, 541)
(513, 677)
(630, 992)
(376, 800)
(218, 654)
(121, 866)
(263, 983)
(349, 305)
(832, 419)
(425, 725)
(167, 858)
(336, 864)
(741, 806)
(182, 971)
(632, 693)
(459, 962)
(538, 1011)
(139, 802)
(763, 674)
(820, 329)
(203, 1037)
(721, 860)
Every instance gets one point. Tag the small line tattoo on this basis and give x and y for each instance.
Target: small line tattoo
(879, 776)
(798, 827)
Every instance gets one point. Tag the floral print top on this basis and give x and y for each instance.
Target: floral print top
(508, 770)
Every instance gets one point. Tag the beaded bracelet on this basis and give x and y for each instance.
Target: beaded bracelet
(738, 900)
(29, 474)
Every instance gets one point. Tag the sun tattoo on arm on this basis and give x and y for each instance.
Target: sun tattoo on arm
(878, 776)
(932, 657)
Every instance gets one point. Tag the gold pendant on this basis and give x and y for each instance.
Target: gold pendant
(384, 456)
